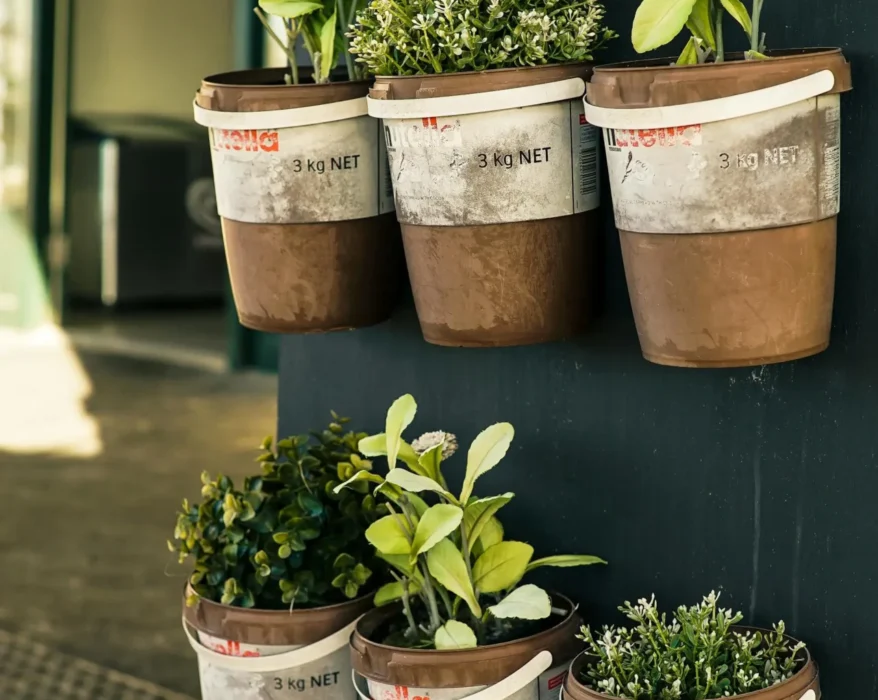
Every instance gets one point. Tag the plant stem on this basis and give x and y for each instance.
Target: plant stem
(291, 55)
(292, 35)
(407, 607)
(755, 39)
(464, 549)
(718, 31)
(446, 601)
(344, 19)
(435, 620)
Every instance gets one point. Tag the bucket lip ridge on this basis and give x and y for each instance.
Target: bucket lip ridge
(809, 665)
(668, 63)
(571, 614)
(462, 75)
(234, 80)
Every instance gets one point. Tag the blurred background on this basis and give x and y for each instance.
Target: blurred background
(123, 370)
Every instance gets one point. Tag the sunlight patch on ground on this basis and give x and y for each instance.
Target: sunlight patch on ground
(43, 394)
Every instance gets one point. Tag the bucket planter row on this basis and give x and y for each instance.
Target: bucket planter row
(725, 176)
(287, 570)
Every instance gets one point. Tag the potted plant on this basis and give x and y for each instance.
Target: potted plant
(456, 618)
(724, 170)
(301, 182)
(280, 569)
(700, 654)
(494, 167)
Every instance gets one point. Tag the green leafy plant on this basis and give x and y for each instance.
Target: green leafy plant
(286, 538)
(415, 37)
(456, 576)
(321, 25)
(657, 22)
(698, 655)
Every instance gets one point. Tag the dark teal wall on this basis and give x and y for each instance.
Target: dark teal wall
(762, 482)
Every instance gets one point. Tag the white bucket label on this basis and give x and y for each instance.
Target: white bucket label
(325, 679)
(546, 687)
(512, 165)
(333, 171)
(776, 168)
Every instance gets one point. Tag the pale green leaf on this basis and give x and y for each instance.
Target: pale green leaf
(737, 10)
(657, 22)
(376, 446)
(501, 566)
(492, 533)
(527, 602)
(400, 562)
(431, 461)
(359, 476)
(391, 592)
(478, 514)
(416, 483)
(327, 46)
(485, 453)
(290, 9)
(565, 560)
(417, 503)
(401, 413)
(689, 56)
(445, 563)
(700, 25)
(438, 522)
(389, 535)
(455, 635)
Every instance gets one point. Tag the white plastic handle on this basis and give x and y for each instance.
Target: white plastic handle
(277, 662)
(477, 103)
(510, 685)
(281, 118)
(709, 111)
(810, 695)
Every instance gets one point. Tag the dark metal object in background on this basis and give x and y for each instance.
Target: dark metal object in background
(760, 481)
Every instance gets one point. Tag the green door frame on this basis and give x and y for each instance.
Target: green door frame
(249, 348)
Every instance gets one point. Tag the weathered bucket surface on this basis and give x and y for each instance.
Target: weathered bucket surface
(804, 685)
(533, 668)
(725, 183)
(303, 190)
(248, 654)
(495, 177)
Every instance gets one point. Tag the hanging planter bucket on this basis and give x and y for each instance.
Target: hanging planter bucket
(496, 187)
(247, 654)
(804, 685)
(725, 183)
(533, 668)
(303, 191)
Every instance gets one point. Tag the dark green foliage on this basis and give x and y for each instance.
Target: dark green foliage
(285, 539)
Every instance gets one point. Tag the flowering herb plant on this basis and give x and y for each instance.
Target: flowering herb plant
(657, 22)
(414, 37)
(456, 576)
(698, 655)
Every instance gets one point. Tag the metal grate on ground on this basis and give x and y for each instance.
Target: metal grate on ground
(32, 671)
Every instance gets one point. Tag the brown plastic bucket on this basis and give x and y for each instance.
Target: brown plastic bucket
(306, 207)
(795, 688)
(533, 668)
(273, 654)
(726, 210)
(495, 176)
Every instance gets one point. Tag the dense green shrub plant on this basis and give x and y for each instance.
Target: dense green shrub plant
(456, 576)
(287, 538)
(658, 22)
(698, 655)
(415, 37)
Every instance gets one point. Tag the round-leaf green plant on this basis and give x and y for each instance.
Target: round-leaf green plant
(457, 578)
(287, 538)
(416, 37)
